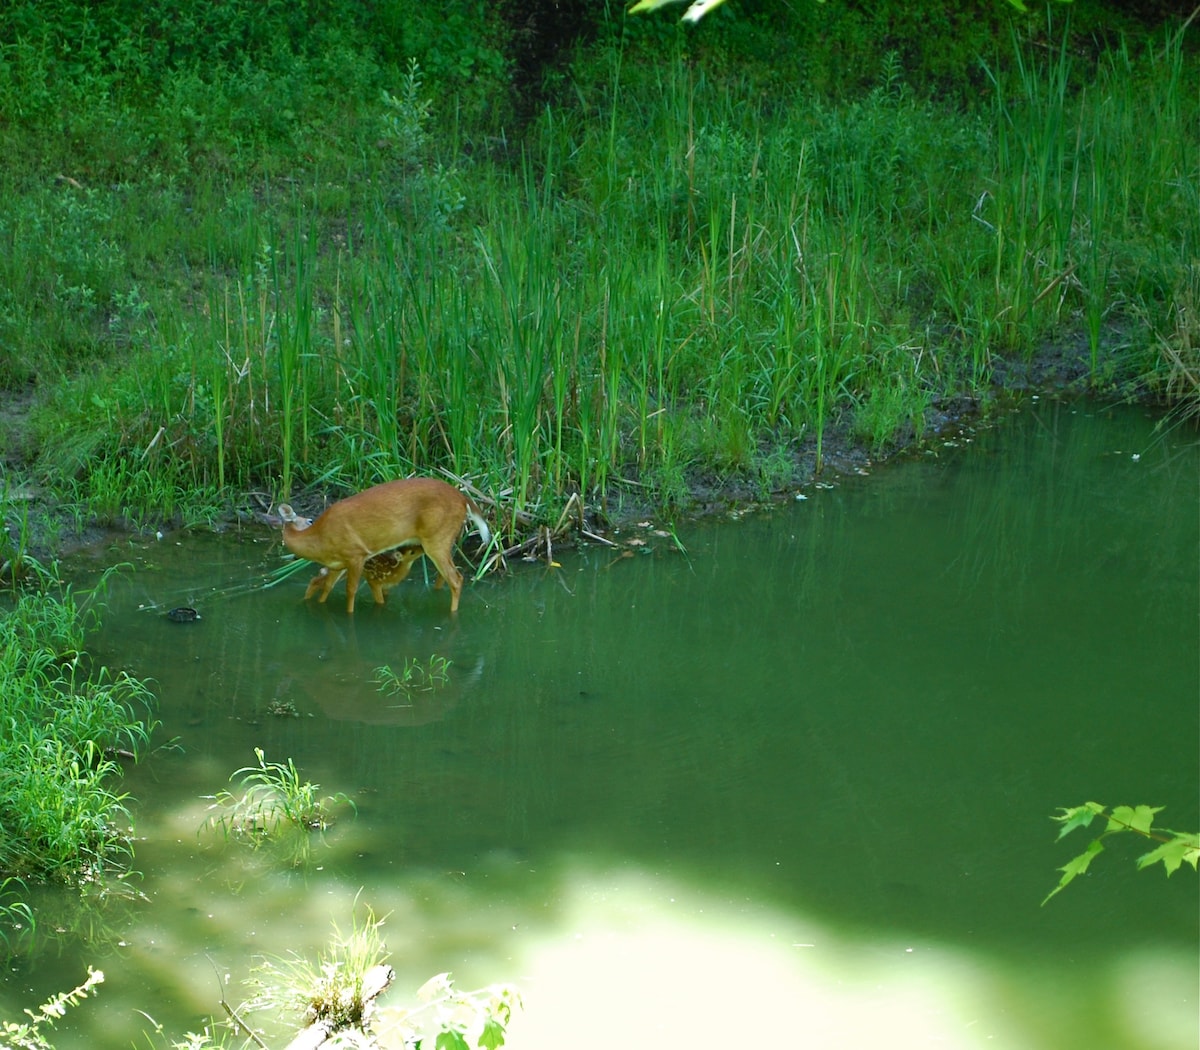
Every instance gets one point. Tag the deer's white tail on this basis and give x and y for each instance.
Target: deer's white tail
(481, 526)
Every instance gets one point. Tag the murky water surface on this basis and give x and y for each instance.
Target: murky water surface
(790, 786)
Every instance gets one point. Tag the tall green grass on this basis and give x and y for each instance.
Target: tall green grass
(64, 722)
(678, 275)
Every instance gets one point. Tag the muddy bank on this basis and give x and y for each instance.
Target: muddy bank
(37, 526)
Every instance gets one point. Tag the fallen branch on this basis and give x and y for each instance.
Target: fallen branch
(598, 539)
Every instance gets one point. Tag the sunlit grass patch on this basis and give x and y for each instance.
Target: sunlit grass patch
(335, 998)
(275, 806)
(337, 989)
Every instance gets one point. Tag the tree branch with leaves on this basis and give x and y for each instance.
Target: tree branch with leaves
(1174, 847)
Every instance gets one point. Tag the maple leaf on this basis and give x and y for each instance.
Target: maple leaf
(1173, 853)
(1077, 817)
(1077, 866)
(1139, 819)
(492, 1035)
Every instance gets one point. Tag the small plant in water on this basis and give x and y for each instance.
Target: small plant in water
(14, 912)
(336, 998)
(416, 677)
(274, 796)
(338, 990)
(282, 709)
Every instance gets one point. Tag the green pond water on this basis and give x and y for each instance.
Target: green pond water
(789, 788)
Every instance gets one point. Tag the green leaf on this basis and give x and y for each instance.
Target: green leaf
(1181, 848)
(1077, 817)
(1139, 819)
(1076, 866)
(451, 1040)
(492, 1035)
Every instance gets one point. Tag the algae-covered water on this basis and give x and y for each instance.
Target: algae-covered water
(791, 784)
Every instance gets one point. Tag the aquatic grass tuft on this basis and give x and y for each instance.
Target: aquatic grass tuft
(337, 995)
(284, 572)
(273, 797)
(336, 990)
(15, 540)
(416, 676)
(15, 914)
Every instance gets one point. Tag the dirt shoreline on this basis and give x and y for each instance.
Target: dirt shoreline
(1059, 369)
(51, 533)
